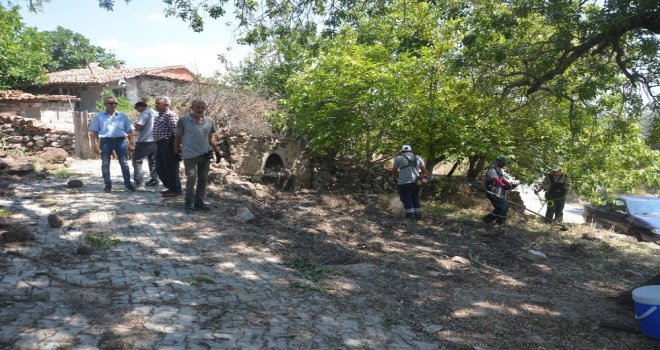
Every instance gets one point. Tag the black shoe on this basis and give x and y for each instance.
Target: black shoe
(107, 189)
(202, 207)
(151, 183)
(130, 188)
(170, 193)
(188, 207)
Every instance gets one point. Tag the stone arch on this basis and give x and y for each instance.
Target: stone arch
(274, 162)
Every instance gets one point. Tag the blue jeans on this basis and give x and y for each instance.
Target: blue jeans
(409, 195)
(120, 146)
(498, 215)
(197, 170)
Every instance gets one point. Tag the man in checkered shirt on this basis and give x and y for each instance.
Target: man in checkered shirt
(167, 162)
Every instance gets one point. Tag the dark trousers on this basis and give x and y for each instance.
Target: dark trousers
(197, 170)
(498, 215)
(144, 150)
(409, 195)
(555, 209)
(167, 165)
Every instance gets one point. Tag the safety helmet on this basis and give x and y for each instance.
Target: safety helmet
(406, 148)
(502, 159)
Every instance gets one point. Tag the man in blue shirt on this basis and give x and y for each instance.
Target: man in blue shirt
(109, 132)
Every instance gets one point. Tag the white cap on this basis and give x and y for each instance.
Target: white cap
(556, 168)
(406, 148)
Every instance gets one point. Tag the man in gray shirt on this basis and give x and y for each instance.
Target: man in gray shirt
(145, 145)
(195, 142)
(408, 169)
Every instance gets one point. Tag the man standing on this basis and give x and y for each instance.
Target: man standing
(556, 186)
(406, 168)
(496, 187)
(195, 141)
(145, 145)
(109, 132)
(167, 162)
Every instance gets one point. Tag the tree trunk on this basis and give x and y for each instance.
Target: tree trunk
(453, 168)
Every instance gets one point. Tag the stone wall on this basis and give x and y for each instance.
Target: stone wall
(29, 135)
(267, 160)
(44, 111)
(351, 176)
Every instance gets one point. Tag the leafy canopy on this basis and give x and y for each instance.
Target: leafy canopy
(23, 52)
(71, 50)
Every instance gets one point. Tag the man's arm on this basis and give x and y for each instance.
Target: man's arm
(95, 142)
(177, 143)
(131, 140)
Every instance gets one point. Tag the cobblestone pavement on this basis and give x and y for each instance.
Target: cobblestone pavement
(148, 291)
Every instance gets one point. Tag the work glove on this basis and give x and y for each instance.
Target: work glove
(217, 156)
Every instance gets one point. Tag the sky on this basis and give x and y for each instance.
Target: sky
(141, 35)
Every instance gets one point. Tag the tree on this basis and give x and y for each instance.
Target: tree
(22, 52)
(71, 50)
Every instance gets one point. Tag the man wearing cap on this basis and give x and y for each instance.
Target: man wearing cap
(556, 186)
(406, 169)
(496, 187)
(145, 147)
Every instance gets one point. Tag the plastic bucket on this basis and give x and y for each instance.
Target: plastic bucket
(647, 310)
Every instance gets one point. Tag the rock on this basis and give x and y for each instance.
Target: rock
(18, 234)
(74, 183)
(633, 274)
(245, 214)
(21, 169)
(433, 328)
(3, 154)
(53, 155)
(461, 260)
(214, 178)
(244, 187)
(535, 255)
(55, 221)
(84, 249)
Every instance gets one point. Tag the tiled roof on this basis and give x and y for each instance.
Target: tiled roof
(18, 95)
(99, 75)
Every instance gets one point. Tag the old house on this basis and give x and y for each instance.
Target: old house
(52, 109)
(133, 83)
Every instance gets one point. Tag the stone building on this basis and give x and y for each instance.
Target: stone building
(51, 109)
(132, 83)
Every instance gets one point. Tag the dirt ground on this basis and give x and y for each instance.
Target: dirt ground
(450, 272)
(449, 276)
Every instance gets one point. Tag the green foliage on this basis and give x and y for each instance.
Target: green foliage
(101, 242)
(123, 104)
(22, 52)
(310, 270)
(71, 50)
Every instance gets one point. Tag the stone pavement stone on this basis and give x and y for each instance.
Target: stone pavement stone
(142, 291)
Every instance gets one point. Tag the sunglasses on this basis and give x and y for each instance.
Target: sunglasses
(111, 103)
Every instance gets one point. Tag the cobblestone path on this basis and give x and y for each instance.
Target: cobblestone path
(147, 290)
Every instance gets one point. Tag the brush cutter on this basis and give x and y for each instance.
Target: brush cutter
(476, 185)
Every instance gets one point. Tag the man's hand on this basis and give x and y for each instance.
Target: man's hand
(97, 149)
(217, 156)
(131, 147)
